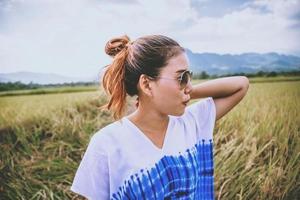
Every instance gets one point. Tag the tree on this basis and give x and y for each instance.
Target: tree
(204, 75)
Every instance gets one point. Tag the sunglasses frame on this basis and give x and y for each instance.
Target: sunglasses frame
(180, 79)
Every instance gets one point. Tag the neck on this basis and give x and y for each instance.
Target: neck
(151, 122)
(149, 119)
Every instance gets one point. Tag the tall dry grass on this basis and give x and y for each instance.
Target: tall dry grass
(257, 144)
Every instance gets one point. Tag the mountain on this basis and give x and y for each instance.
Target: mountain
(41, 78)
(215, 64)
(212, 63)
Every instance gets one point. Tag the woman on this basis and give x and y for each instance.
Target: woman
(164, 149)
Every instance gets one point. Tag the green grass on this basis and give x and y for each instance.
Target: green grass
(69, 89)
(52, 90)
(257, 144)
(274, 79)
(16, 109)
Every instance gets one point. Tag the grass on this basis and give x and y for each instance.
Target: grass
(90, 88)
(274, 79)
(257, 144)
(17, 109)
(50, 90)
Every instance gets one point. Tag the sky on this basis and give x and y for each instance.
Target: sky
(67, 37)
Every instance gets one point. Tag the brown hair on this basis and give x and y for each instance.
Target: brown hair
(146, 55)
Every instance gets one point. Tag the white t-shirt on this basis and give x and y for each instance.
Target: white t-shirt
(122, 163)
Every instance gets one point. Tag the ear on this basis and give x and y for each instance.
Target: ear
(145, 85)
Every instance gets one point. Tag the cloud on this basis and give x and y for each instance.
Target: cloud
(68, 37)
(118, 1)
(247, 30)
(216, 8)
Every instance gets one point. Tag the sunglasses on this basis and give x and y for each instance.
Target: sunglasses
(183, 79)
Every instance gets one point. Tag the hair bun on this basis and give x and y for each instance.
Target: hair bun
(115, 45)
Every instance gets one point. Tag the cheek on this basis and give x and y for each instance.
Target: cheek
(168, 95)
(168, 100)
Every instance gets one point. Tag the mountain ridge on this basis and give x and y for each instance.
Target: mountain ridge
(211, 63)
(42, 78)
(220, 64)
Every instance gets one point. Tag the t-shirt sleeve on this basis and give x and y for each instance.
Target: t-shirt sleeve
(202, 116)
(92, 176)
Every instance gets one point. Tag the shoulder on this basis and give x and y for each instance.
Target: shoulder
(202, 108)
(106, 138)
(201, 104)
(200, 113)
(108, 131)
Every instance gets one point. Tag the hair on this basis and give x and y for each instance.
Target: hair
(146, 55)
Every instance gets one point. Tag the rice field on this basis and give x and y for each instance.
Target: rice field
(16, 109)
(257, 144)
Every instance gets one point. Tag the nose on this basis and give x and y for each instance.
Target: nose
(188, 88)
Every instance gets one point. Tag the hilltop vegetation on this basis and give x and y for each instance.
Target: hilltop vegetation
(9, 86)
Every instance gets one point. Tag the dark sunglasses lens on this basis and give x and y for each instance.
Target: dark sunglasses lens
(186, 77)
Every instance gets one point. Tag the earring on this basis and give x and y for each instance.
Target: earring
(137, 102)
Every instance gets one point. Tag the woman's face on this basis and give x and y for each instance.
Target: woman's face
(168, 96)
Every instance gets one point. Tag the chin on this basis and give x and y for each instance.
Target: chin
(178, 113)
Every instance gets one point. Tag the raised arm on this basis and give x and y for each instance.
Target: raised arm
(227, 92)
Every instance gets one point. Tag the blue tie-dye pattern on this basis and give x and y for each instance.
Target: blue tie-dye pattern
(189, 175)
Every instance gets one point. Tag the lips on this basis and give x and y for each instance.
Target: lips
(186, 102)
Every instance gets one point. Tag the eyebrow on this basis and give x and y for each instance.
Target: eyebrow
(181, 70)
